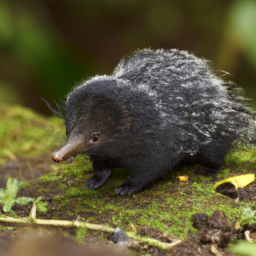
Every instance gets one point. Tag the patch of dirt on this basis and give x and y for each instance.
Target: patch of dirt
(25, 168)
(215, 234)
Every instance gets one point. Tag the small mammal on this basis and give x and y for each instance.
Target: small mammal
(158, 110)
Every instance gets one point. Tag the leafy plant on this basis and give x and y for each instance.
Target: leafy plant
(248, 215)
(243, 248)
(8, 197)
(41, 206)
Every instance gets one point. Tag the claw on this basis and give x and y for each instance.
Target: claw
(125, 189)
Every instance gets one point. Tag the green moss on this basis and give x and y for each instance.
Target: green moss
(25, 133)
(6, 228)
(167, 206)
(223, 174)
(80, 235)
(73, 169)
(149, 208)
(242, 158)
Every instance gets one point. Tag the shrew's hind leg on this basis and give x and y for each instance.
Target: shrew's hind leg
(211, 156)
(102, 171)
(145, 171)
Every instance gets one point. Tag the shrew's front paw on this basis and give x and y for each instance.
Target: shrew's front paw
(92, 184)
(98, 179)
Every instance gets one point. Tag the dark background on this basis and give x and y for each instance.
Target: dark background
(49, 46)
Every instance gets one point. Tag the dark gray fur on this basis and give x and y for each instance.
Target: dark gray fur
(158, 109)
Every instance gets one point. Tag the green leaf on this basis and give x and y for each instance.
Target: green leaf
(12, 188)
(8, 195)
(42, 206)
(7, 207)
(243, 248)
(24, 200)
(38, 200)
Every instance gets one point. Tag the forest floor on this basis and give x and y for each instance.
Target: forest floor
(189, 214)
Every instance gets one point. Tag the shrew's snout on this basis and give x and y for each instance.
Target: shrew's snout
(55, 159)
(72, 147)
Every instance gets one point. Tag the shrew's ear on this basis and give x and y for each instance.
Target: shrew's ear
(60, 110)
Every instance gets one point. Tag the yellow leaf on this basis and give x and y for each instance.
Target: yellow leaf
(183, 178)
(238, 181)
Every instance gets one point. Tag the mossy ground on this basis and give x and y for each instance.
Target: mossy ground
(24, 133)
(162, 211)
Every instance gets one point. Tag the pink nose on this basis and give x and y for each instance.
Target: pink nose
(56, 160)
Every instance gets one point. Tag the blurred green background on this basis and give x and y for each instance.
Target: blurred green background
(49, 46)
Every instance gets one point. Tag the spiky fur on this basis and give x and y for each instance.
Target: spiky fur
(159, 109)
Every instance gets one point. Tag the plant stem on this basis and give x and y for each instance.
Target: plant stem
(65, 223)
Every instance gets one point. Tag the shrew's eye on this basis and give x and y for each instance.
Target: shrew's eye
(94, 138)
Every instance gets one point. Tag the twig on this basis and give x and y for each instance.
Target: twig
(65, 223)
(247, 236)
(154, 242)
(215, 251)
(32, 214)
(57, 223)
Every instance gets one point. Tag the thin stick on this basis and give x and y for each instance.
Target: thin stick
(66, 223)
(154, 242)
(57, 223)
